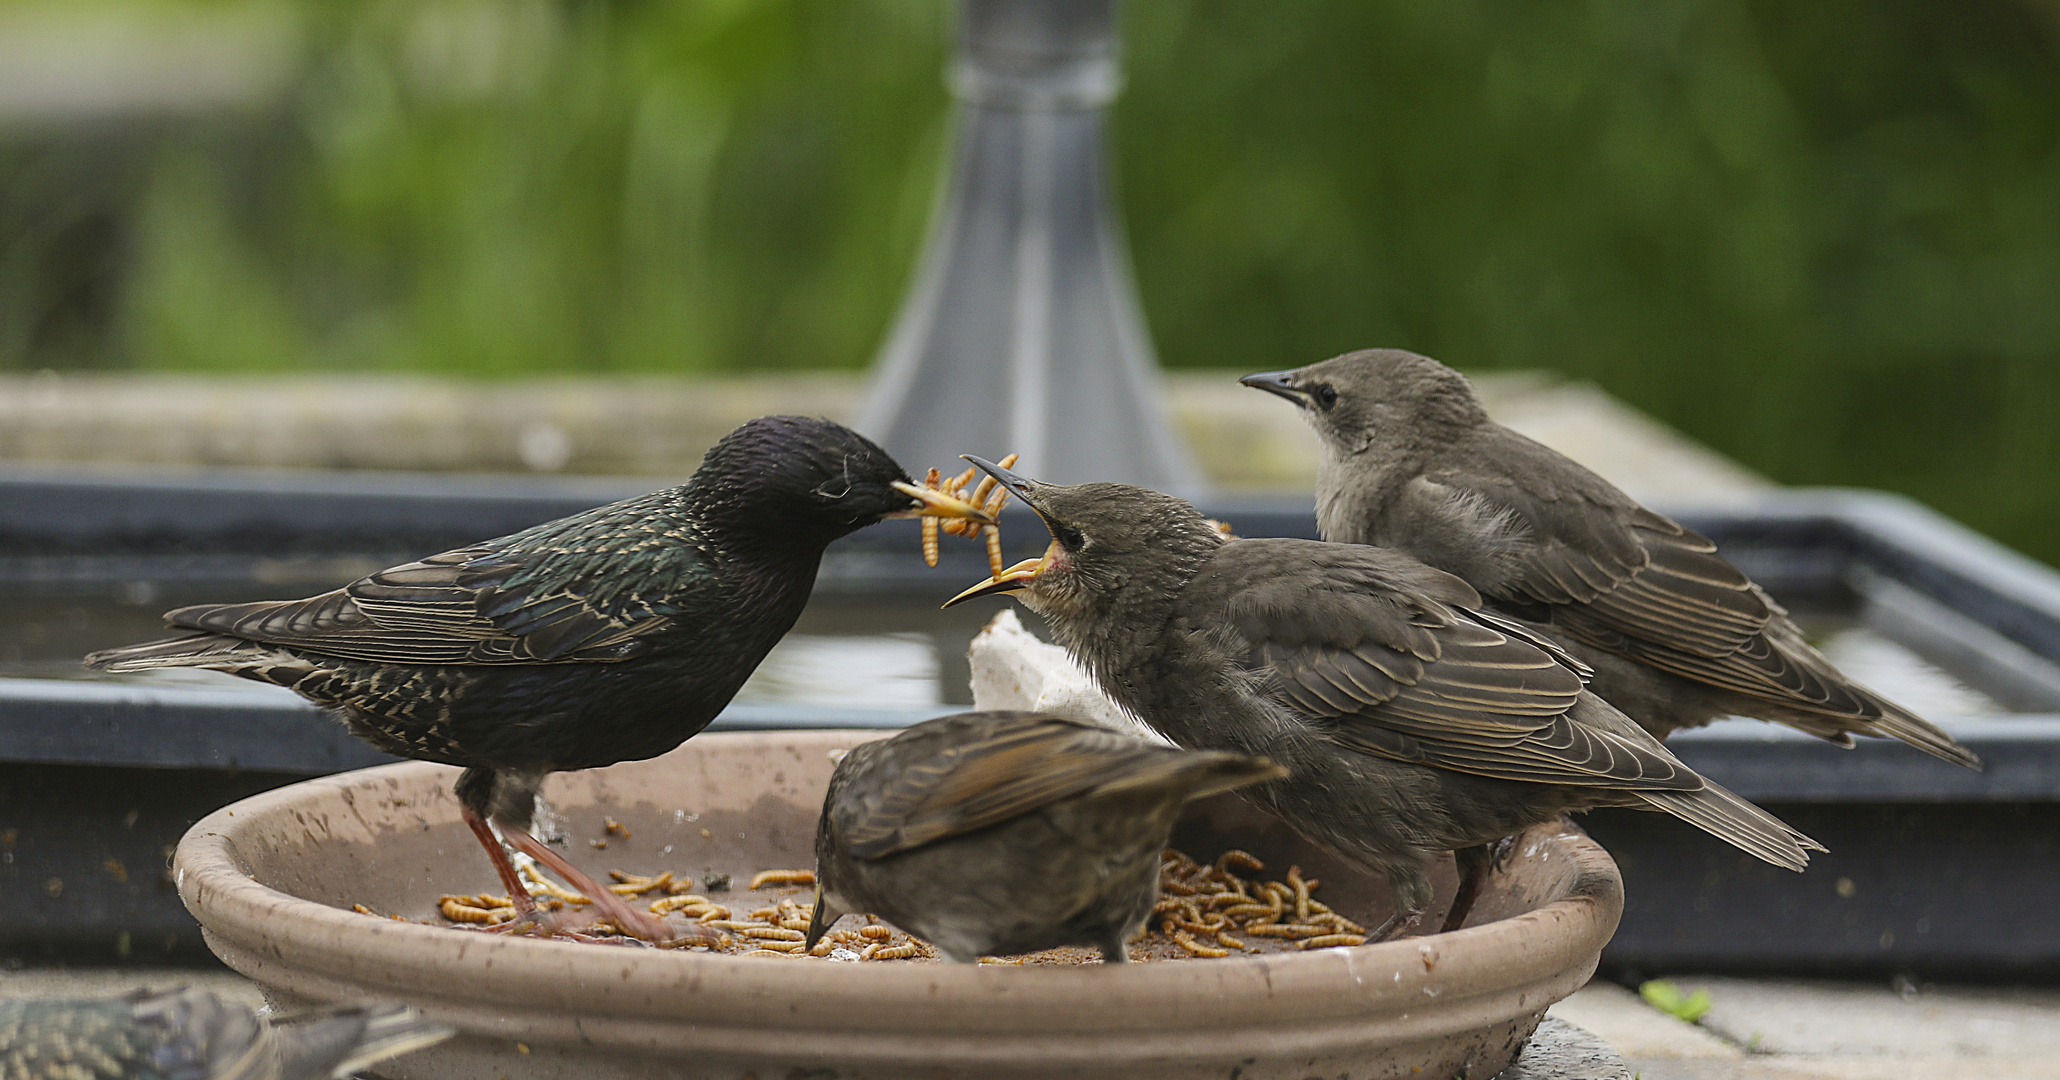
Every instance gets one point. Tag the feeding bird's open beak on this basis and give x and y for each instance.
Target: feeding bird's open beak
(937, 504)
(1023, 573)
(1276, 382)
(1015, 577)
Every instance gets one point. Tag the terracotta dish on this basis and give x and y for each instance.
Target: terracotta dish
(273, 878)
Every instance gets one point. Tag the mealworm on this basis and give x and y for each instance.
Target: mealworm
(455, 909)
(1331, 918)
(633, 886)
(715, 912)
(994, 564)
(1197, 948)
(781, 877)
(771, 933)
(767, 952)
(1301, 888)
(540, 885)
(1223, 936)
(678, 903)
(875, 933)
(614, 828)
(1329, 940)
(889, 952)
(825, 946)
(1244, 860)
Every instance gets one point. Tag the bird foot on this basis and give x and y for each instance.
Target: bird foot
(1397, 926)
(607, 905)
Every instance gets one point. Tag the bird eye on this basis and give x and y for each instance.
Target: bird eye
(1325, 395)
(1071, 537)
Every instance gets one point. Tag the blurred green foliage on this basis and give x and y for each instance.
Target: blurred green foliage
(1824, 238)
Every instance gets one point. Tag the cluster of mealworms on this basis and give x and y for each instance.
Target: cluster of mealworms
(779, 930)
(989, 496)
(1205, 908)
(1208, 910)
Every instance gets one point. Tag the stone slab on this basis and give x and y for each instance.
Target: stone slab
(1862, 1020)
(1637, 1030)
(1560, 1051)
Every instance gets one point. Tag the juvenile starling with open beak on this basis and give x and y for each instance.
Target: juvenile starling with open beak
(1411, 722)
(194, 1035)
(1676, 634)
(998, 833)
(611, 635)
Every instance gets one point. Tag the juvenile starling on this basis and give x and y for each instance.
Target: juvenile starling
(1411, 722)
(611, 635)
(997, 833)
(194, 1035)
(1676, 634)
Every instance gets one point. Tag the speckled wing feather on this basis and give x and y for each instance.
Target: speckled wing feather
(1391, 671)
(1009, 769)
(530, 598)
(1620, 577)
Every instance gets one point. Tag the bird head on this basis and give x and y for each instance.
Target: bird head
(1109, 543)
(805, 476)
(1375, 398)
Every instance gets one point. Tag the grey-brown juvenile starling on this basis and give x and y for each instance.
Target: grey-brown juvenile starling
(1411, 722)
(997, 833)
(1676, 634)
(194, 1035)
(611, 635)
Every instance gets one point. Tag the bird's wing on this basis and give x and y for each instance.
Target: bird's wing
(587, 588)
(1590, 552)
(1014, 768)
(1390, 671)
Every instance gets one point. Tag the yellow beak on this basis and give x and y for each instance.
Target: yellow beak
(1015, 577)
(938, 504)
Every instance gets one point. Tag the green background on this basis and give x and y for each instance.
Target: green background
(1824, 238)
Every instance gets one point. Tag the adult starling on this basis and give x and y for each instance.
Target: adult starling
(611, 635)
(1411, 722)
(194, 1035)
(1676, 634)
(996, 833)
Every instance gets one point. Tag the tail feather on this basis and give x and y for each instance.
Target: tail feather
(1228, 772)
(198, 649)
(341, 1042)
(1200, 773)
(1899, 723)
(1737, 822)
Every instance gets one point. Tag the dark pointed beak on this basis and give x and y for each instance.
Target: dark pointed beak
(932, 503)
(1023, 573)
(818, 925)
(1017, 485)
(1276, 382)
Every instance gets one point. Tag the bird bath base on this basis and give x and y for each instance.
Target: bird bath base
(272, 880)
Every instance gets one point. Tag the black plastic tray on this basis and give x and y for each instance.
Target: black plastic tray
(1933, 869)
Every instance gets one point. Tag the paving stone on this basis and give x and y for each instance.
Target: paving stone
(1760, 1067)
(1637, 1030)
(1560, 1051)
(1861, 1020)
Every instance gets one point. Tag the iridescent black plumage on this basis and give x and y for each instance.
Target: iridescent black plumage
(194, 1035)
(610, 635)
